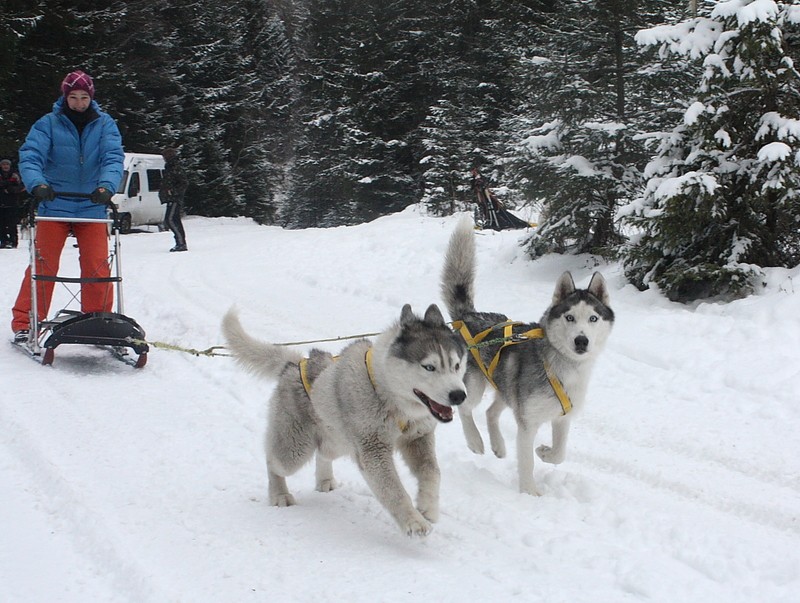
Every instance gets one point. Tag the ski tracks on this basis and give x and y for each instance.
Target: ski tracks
(73, 516)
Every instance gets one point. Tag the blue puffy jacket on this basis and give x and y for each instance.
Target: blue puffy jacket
(54, 154)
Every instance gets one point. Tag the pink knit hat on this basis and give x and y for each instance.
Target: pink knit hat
(77, 80)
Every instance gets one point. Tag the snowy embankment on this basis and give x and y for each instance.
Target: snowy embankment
(682, 478)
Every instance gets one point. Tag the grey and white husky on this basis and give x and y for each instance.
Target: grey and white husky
(369, 402)
(558, 352)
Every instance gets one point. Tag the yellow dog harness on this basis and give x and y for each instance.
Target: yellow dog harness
(510, 338)
(307, 382)
(403, 425)
(304, 376)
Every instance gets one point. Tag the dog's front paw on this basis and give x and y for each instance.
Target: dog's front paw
(430, 511)
(548, 455)
(476, 444)
(471, 434)
(282, 500)
(499, 449)
(529, 487)
(327, 485)
(417, 526)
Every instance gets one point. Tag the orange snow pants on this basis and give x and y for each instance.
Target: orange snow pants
(93, 258)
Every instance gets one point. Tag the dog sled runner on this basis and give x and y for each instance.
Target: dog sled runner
(110, 330)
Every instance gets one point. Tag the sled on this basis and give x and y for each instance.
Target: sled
(110, 330)
(499, 218)
(494, 215)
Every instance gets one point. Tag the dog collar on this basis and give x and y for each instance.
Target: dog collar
(510, 338)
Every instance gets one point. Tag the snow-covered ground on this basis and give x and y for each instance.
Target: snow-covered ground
(681, 484)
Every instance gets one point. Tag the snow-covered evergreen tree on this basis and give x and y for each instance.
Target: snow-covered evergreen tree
(469, 63)
(235, 68)
(16, 22)
(262, 132)
(361, 95)
(575, 142)
(722, 196)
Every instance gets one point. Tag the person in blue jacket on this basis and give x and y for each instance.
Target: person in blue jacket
(76, 148)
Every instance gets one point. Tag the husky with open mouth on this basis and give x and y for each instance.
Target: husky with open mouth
(372, 400)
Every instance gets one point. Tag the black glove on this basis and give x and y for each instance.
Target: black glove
(101, 196)
(44, 192)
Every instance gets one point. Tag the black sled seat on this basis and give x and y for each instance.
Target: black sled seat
(94, 328)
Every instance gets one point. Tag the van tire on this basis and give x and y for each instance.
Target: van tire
(124, 223)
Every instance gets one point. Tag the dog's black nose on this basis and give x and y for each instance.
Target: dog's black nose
(457, 396)
(581, 344)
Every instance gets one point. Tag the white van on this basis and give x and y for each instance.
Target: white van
(137, 196)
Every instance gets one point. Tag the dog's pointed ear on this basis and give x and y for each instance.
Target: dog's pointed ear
(598, 288)
(433, 315)
(407, 315)
(564, 287)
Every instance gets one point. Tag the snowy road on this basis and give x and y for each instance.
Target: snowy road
(682, 479)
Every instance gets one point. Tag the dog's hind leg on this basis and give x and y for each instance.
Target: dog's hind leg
(476, 385)
(325, 480)
(493, 422)
(289, 446)
(525, 436)
(420, 456)
(281, 462)
(279, 495)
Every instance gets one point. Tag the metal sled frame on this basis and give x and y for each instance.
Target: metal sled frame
(112, 329)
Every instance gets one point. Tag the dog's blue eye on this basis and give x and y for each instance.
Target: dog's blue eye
(593, 319)
(429, 367)
(570, 318)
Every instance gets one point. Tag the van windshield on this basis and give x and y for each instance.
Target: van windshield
(123, 182)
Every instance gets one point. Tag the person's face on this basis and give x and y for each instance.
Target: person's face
(79, 100)
(5, 167)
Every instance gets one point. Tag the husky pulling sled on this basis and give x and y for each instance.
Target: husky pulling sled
(539, 370)
(112, 330)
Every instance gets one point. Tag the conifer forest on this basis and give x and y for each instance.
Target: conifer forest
(661, 133)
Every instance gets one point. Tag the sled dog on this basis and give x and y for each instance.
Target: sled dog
(556, 354)
(368, 403)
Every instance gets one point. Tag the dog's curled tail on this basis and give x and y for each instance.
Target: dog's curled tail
(458, 274)
(258, 357)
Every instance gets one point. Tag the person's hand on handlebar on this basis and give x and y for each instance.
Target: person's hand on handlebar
(43, 192)
(101, 196)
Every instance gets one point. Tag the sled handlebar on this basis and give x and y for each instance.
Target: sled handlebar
(114, 213)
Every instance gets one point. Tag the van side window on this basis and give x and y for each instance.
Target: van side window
(154, 180)
(123, 182)
(135, 186)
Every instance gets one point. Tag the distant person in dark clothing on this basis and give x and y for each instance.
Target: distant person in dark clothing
(173, 187)
(483, 196)
(495, 215)
(10, 187)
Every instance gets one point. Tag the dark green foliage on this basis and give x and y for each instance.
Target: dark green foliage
(363, 99)
(470, 56)
(575, 142)
(723, 197)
